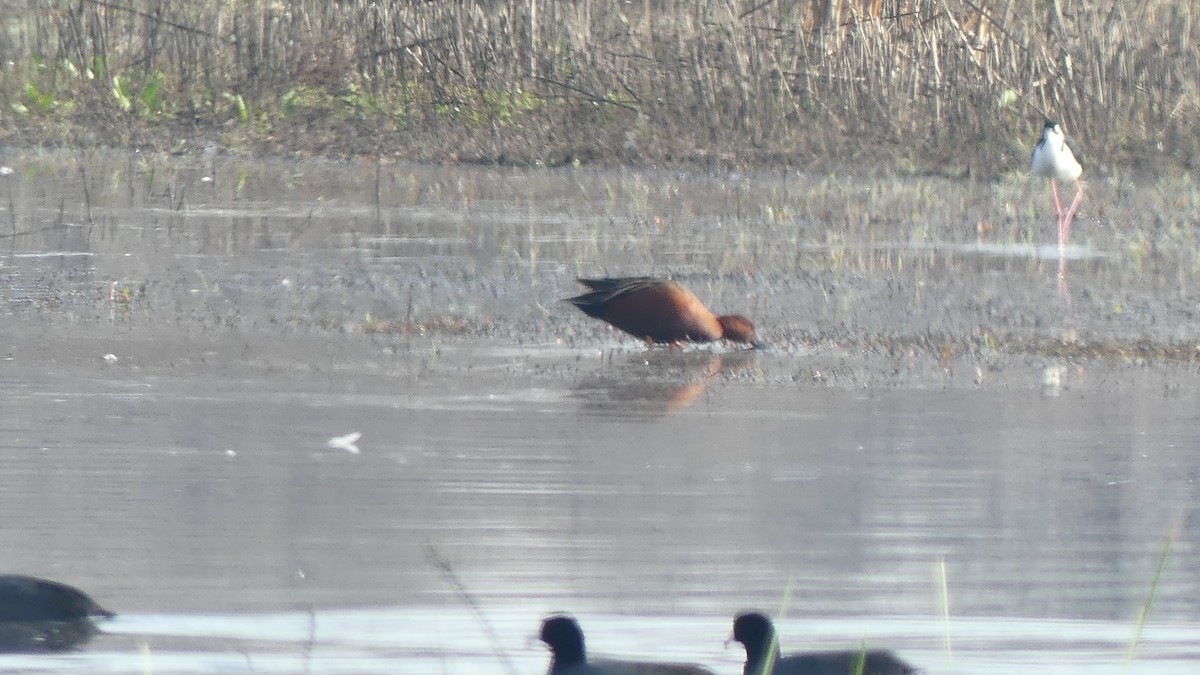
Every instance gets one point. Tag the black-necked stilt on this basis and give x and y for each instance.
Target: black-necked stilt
(757, 635)
(1058, 158)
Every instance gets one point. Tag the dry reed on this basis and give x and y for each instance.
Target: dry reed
(943, 85)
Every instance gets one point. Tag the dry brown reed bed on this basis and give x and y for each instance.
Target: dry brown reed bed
(942, 85)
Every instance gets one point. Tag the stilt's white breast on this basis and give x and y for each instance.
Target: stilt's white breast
(1052, 158)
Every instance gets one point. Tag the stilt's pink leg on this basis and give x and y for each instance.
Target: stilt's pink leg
(1062, 233)
(1057, 203)
(1071, 212)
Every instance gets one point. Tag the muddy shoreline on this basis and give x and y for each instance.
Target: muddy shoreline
(945, 271)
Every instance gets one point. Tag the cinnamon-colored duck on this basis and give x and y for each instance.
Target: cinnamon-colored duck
(659, 310)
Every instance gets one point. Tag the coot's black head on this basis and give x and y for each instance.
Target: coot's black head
(752, 629)
(561, 633)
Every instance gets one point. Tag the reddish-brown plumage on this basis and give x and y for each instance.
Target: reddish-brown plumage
(657, 310)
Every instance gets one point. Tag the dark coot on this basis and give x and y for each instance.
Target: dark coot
(42, 615)
(568, 657)
(757, 634)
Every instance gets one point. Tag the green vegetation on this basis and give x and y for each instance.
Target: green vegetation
(956, 86)
(1148, 605)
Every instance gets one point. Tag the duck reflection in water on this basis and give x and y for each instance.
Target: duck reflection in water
(658, 382)
(39, 615)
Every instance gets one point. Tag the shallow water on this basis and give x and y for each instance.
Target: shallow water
(165, 440)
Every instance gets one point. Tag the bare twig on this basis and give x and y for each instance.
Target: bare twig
(153, 17)
(590, 96)
(465, 595)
